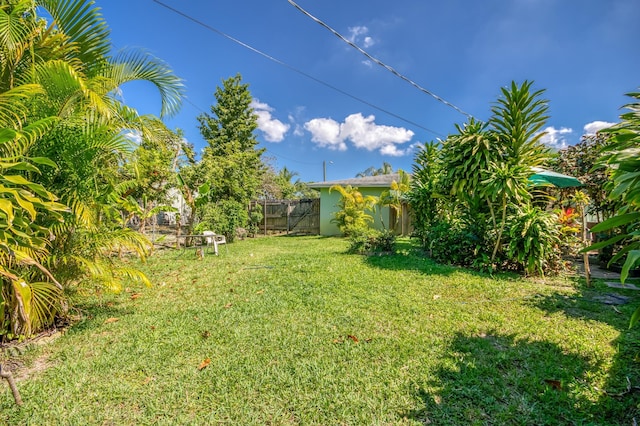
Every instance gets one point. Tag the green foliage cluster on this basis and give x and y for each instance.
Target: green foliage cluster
(623, 161)
(255, 220)
(369, 241)
(62, 130)
(223, 217)
(582, 161)
(472, 201)
(352, 216)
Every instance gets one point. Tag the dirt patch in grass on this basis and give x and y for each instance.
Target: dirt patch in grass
(23, 366)
(23, 372)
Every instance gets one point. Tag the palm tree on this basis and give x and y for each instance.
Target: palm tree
(58, 95)
(394, 196)
(353, 205)
(386, 169)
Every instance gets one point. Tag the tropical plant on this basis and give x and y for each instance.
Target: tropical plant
(479, 178)
(351, 216)
(30, 296)
(394, 197)
(386, 169)
(59, 93)
(623, 159)
(534, 239)
(424, 195)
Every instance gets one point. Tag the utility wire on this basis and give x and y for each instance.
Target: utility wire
(377, 61)
(284, 64)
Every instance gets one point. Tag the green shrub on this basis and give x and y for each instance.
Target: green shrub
(372, 241)
(223, 217)
(534, 238)
(453, 243)
(255, 219)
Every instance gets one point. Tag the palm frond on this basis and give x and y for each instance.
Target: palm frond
(129, 66)
(14, 105)
(83, 23)
(46, 301)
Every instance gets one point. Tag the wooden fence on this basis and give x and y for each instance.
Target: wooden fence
(290, 216)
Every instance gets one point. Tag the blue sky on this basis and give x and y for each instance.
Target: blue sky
(584, 53)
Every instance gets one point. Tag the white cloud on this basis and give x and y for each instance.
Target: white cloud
(326, 133)
(135, 136)
(393, 151)
(297, 129)
(595, 126)
(362, 132)
(368, 42)
(555, 138)
(273, 129)
(358, 35)
(357, 31)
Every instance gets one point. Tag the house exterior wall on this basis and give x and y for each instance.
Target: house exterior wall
(329, 205)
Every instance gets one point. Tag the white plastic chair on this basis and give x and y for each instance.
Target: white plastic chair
(214, 240)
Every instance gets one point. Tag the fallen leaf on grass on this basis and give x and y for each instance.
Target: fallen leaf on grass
(109, 304)
(204, 364)
(206, 334)
(228, 305)
(147, 380)
(110, 320)
(354, 338)
(338, 340)
(153, 327)
(554, 384)
(135, 296)
(259, 291)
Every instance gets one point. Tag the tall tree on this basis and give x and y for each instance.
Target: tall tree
(231, 161)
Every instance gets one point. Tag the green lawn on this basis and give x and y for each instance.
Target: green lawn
(296, 331)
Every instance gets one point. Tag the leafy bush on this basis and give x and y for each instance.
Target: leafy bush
(351, 217)
(223, 217)
(453, 243)
(255, 219)
(372, 241)
(570, 242)
(534, 239)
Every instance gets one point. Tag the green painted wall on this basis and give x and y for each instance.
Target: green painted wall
(328, 205)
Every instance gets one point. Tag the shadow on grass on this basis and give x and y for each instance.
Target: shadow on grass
(594, 304)
(93, 314)
(498, 379)
(409, 255)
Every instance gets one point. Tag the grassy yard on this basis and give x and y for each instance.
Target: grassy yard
(292, 330)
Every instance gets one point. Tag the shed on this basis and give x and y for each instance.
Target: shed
(368, 185)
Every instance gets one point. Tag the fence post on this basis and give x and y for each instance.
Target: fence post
(288, 215)
(264, 213)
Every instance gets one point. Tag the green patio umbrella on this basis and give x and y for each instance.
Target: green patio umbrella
(547, 177)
